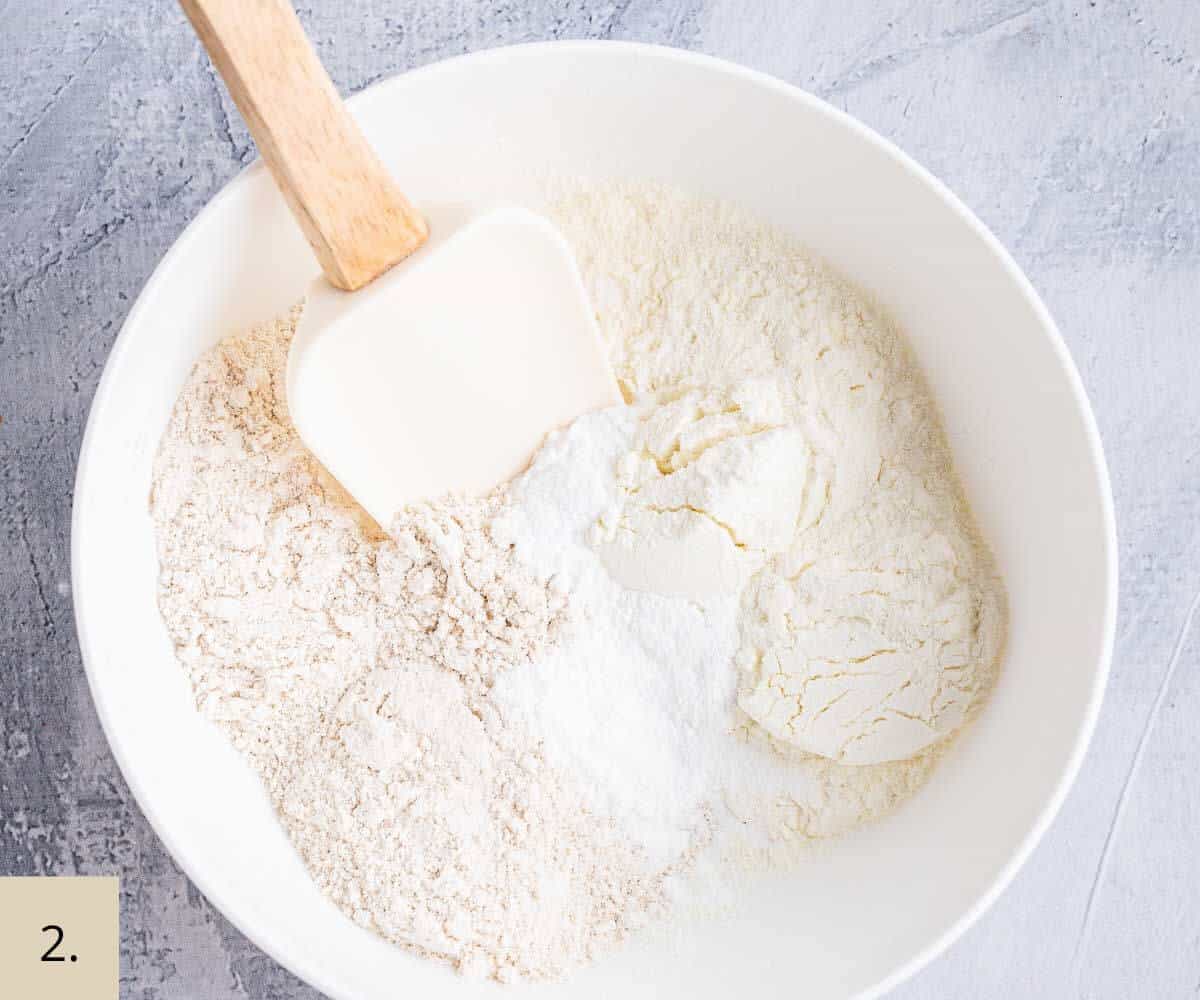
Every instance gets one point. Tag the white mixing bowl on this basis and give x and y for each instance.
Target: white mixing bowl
(869, 909)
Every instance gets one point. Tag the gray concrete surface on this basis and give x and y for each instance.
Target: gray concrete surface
(1070, 127)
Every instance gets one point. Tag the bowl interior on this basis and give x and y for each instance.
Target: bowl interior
(867, 908)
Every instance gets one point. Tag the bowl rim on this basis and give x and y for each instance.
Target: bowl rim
(304, 967)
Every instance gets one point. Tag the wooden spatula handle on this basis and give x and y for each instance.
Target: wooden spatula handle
(355, 217)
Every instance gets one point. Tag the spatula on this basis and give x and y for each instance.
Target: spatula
(442, 374)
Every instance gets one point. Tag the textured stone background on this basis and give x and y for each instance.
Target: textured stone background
(1070, 127)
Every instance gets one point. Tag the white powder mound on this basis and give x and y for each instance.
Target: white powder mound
(747, 610)
(639, 696)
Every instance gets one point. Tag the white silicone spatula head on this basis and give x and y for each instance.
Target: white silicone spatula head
(445, 374)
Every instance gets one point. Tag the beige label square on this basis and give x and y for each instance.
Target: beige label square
(59, 938)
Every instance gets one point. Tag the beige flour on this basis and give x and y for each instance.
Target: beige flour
(351, 669)
(748, 610)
